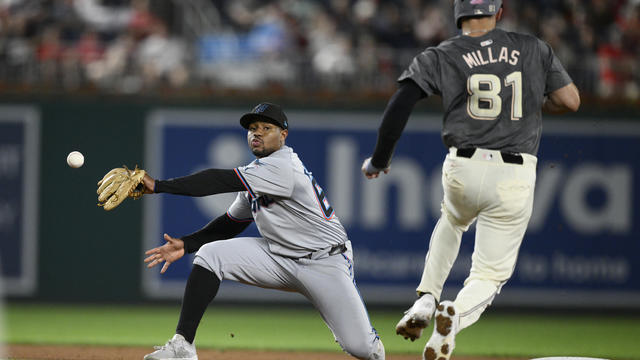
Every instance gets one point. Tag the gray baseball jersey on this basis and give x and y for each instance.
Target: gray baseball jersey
(290, 209)
(299, 229)
(492, 88)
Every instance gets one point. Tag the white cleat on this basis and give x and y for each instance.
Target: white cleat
(442, 341)
(177, 348)
(416, 318)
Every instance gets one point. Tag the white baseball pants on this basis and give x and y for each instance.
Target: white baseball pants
(500, 196)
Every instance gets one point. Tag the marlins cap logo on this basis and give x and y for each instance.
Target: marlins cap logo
(260, 108)
(477, 2)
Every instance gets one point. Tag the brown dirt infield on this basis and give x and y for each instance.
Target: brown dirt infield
(68, 352)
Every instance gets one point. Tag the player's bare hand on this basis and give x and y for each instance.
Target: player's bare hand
(149, 184)
(370, 171)
(167, 253)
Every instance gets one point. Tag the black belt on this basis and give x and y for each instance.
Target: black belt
(335, 250)
(338, 249)
(508, 157)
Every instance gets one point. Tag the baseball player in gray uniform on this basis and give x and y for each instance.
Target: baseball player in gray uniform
(493, 85)
(303, 248)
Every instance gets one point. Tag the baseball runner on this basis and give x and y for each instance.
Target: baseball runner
(493, 85)
(303, 248)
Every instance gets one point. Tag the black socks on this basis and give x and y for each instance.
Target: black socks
(202, 286)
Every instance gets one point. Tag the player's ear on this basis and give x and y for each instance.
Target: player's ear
(283, 135)
(499, 14)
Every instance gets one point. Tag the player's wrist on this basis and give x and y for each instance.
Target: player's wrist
(378, 167)
(368, 168)
(371, 168)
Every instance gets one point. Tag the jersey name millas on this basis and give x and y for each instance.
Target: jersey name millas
(491, 56)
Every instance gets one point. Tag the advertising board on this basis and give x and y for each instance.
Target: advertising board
(19, 162)
(582, 244)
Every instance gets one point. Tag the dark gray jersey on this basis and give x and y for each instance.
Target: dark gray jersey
(492, 88)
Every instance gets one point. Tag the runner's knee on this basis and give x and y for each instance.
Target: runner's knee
(495, 272)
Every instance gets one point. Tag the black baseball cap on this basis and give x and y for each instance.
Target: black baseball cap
(266, 112)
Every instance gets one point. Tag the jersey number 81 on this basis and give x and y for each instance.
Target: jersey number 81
(485, 89)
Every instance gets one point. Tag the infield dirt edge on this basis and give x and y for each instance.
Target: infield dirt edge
(86, 352)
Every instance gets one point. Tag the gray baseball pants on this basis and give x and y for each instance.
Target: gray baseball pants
(326, 280)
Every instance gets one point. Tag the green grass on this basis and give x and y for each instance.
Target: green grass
(277, 328)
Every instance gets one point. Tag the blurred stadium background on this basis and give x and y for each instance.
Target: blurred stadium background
(299, 48)
(162, 83)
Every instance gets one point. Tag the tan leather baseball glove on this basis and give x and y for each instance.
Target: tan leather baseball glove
(119, 184)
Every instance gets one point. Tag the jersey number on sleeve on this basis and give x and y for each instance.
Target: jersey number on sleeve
(485, 89)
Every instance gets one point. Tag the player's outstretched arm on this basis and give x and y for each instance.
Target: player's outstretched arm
(394, 119)
(221, 228)
(201, 183)
(563, 100)
(168, 253)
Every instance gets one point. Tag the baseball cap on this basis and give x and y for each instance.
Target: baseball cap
(266, 112)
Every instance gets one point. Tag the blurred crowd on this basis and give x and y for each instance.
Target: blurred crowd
(139, 46)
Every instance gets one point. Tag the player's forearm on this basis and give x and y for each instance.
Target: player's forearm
(385, 147)
(562, 100)
(394, 120)
(203, 183)
(551, 107)
(221, 228)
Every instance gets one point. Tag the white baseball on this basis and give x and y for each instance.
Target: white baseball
(75, 159)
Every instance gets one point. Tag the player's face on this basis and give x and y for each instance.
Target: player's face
(265, 138)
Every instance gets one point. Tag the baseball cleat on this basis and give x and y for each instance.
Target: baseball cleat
(416, 318)
(442, 341)
(177, 348)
